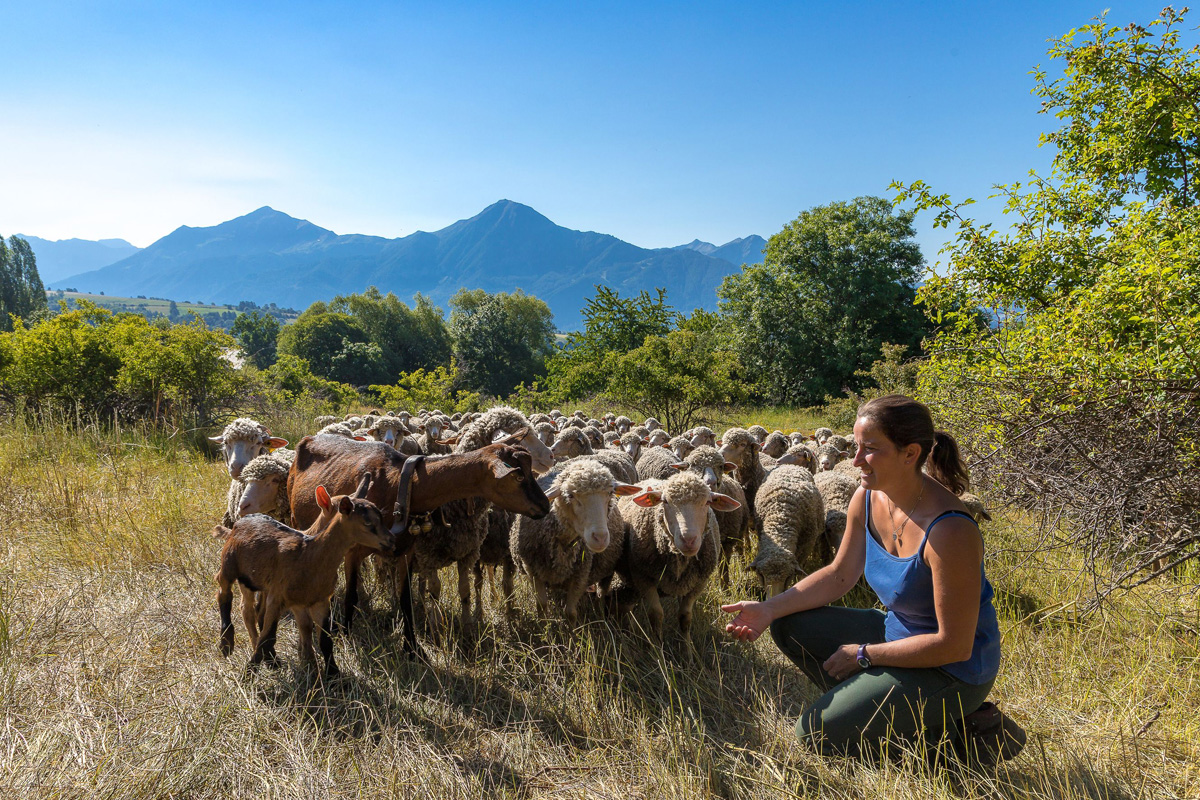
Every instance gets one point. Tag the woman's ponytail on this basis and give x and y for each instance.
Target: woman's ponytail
(945, 464)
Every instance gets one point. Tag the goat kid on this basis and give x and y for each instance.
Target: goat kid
(294, 569)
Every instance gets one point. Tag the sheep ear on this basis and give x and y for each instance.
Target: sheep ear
(323, 498)
(723, 502)
(451, 441)
(345, 504)
(553, 492)
(217, 439)
(275, 443)
(729, 466)
(626, 489)
(680, 465)
(360, 438)
(845, 453)
(648, 498)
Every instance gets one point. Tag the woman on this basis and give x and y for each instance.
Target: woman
(929, 662)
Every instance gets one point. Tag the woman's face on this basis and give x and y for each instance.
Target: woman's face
(878, 459)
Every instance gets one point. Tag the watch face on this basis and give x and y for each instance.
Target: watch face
(865, 663)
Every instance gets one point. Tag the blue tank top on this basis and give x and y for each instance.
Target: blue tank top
(905, 587)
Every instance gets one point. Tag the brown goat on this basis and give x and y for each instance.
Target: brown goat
(293, 569)
(499, 473)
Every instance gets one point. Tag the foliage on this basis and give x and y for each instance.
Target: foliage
(21, 290)
(367, 338)
(611, 324)
(834, 286)
(433, 389)
(1081, 402)
(292, 382)
(673, 378)
(257, 334)
(103, 363)
(500, 340)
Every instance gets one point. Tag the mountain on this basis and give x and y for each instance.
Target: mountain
(68, 256)
(747, 250)
(268, 256)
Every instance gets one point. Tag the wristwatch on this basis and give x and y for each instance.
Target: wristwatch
(864, 660)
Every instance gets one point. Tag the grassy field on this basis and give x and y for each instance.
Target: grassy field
(144, 304)
(112, 685)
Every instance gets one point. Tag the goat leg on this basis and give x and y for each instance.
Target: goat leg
(225, 603)
(322, 617)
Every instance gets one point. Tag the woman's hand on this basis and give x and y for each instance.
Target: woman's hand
(752, 619)
(843, 663)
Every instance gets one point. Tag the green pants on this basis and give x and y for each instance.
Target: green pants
(856, 715)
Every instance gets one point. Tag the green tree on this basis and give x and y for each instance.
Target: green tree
(673, 378)
(611, 324)
(257, 334)
(368, 338)
(1079, 402)
(21, 289)
(500, 340)
(835, 285)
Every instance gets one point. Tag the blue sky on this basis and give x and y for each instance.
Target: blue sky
(655, 122)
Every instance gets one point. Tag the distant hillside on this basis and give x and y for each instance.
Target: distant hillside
(71, 256)
(268, 256)
(747, 250)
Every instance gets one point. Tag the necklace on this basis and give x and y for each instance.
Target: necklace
(897, 534)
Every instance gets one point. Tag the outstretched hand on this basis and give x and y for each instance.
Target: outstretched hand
(752, 619)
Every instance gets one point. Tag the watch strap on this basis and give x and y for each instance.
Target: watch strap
(864, 660)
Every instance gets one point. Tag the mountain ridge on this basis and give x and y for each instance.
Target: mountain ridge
(269, 256)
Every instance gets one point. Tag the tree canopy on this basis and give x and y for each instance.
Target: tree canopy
(835, 284)
(21, 289)
(500, 340)
(1081, 399)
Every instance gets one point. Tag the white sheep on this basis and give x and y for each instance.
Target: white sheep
(570, 443)
(244, 440)
(800, 455)
(828, 456)
(758, 432)
(680, 446)
(775, 445)
(740, 447)
(703, 435)
(579, 542)
(791, 517)
(631, 442)
(709, 464)
(261, 488)
(821, 434)
(672, 548)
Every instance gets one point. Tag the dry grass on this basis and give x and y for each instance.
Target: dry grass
(112, 685)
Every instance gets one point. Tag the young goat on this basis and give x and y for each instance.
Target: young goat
(293, 569)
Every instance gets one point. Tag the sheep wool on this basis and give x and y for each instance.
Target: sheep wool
(791, 516)
(245, 429)
(836, 489)
(493, 421)
(655, 464)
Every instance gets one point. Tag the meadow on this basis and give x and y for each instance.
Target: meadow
(111, 685)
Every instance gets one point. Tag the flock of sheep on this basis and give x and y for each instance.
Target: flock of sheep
(634, 513)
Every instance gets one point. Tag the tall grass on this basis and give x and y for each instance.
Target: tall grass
(111, 685)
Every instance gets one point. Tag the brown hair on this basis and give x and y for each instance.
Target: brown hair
(904, 421)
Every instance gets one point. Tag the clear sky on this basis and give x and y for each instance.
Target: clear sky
(655, 122)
